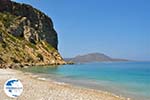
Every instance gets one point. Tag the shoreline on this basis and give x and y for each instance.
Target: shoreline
(42, 89)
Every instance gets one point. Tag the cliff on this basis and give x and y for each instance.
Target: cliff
(27, 36)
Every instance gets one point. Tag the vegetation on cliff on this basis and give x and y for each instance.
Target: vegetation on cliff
(27, 36)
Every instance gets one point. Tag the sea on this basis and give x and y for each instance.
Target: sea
(127, 79)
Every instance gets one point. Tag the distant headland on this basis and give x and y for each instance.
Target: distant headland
(94, 57)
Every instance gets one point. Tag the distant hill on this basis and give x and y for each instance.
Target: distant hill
(93, 57)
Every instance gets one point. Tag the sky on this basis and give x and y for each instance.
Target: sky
(117, 28)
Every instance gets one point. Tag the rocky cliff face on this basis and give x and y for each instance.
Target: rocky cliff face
(27, 35)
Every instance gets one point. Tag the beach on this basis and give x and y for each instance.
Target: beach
(37, 88)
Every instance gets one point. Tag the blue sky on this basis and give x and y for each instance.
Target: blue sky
(118, 28)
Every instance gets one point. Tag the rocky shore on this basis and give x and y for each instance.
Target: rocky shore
(25, 65)
(37, 88)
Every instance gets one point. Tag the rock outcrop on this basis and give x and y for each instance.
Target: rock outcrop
(27, 36)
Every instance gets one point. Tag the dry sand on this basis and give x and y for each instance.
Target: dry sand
(36, 88)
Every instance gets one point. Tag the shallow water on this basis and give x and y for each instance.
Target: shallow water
(129, 79)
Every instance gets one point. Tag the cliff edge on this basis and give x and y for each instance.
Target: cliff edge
(27, 36)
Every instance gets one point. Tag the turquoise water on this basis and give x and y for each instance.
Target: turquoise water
(129, 79)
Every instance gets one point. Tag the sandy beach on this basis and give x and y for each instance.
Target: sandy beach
(36, 88)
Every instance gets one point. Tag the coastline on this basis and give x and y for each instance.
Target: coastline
(37, 88)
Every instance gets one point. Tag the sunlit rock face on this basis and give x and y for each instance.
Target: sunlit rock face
(27, 35)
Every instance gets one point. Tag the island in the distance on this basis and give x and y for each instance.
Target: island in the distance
(94, 57)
